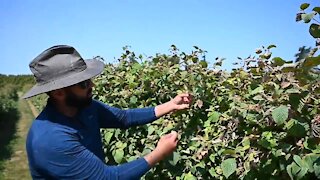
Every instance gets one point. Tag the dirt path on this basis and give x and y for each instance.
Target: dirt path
(17, 166)
(33, 109)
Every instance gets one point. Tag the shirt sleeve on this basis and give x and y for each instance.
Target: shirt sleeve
(66, 158)
(111, 117)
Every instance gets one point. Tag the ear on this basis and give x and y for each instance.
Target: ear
(58, 94)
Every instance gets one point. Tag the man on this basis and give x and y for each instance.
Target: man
(64, 141)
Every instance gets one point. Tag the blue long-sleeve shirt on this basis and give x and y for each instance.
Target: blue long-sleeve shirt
(60, 147)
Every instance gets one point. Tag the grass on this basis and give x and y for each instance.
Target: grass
(13, 158)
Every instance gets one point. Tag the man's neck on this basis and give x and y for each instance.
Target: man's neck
(63, 108)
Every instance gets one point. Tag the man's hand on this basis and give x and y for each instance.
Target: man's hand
(166, 145)
(181, 101)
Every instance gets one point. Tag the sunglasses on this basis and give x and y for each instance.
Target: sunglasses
(84, 84)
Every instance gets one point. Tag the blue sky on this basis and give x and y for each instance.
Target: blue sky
(224, 28)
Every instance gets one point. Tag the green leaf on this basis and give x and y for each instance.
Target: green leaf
(214, 116)
(228, 166)
(265, 143)
(195, 59)
(136, 67)
(207, 123)
(289, 170)
(280, 114)
(316, 9)
(295, 169)
(298, 160)
(118, 156)
(107, 136)
(297, 129)
(277, 61)
(314, 30)
(133, 100)
(304, 6)
(271, 46)
(292, 91)
(267, 135)
(311, 144)
(316, 168)
(246, 141)
(175, 158)
(229, 152)
(285, 147)
(309, 159)
(307, 17)
(150, 130)
(302, 172)
(311, 62)
(257, 90)
(212, 172)
(212, 157)
(303, 166)
(258, 98)
(203, 63)
(189, 176)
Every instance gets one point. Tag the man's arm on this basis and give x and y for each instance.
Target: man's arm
(67, 158)
(111, 117)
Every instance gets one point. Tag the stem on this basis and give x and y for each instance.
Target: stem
(316, 20)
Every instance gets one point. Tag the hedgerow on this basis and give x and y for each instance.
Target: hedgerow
(261, 120)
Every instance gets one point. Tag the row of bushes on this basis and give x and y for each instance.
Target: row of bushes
(247, 123)
(9, 116)
(39, 101)
(261, 120)
(11, 86)
(8, 101)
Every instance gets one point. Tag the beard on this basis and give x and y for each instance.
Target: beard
(76, 101)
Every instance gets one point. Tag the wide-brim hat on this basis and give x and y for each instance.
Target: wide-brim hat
(59, 67)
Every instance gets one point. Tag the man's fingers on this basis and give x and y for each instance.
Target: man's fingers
(183, 106)
(184, 95)
(176, 143)
(185, 99)
(174, 135)
(167, 136)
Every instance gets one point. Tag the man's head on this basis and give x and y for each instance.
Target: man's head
(61, 72)
(76, 96)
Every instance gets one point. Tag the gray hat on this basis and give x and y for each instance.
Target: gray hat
(61, 66)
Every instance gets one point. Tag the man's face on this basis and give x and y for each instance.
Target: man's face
(79, 95)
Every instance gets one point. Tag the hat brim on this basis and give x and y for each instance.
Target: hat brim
(94, 68)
